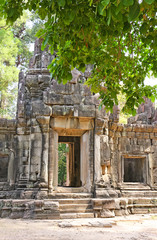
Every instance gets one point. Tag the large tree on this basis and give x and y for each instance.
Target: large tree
(14, 56)
(118, 37)
(8, 70)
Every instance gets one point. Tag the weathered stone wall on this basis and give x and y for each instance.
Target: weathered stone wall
(47, 110)
(47, 113)
(32, 209)
(7, 153)
(133, 141)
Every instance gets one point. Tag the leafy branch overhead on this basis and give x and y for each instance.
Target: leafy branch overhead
(119, 37)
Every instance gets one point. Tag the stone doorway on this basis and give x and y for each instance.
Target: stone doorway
(70, 161)
(80, 160)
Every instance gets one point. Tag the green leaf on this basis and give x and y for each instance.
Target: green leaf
(134, 11)
(44, 43)
(128, 3)
(118, 8)
(90, 2)
(11, 12)
(105, 2)
(69, 17)
(42, 13)
(149, 1)
(115, 16)
(101, 9)
(65, 81)
(69, 76)
(2, 2)
(152, 98)
(61, 3)
(109, 16)
(69, 2)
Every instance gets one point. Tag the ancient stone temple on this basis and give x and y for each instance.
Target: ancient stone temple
(111, 169)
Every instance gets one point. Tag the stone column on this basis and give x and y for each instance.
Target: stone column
(97, 173)
(67, 166)
(84, 164)
(44, 125)
(53, 161)
(35, 155)
(71, 165)
(11, 179)
(150, 169)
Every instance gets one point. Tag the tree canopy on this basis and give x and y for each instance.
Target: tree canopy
(14, 56)
(118, 37)
(8, 70)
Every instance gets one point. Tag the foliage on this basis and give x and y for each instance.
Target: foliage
(117, 36)
(24, 29)
(14, 56)
(8, 70)
(62, 152)
(122, 116)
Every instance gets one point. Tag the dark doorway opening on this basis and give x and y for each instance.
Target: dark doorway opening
(4, 159)
(134, 170)
(69, 161)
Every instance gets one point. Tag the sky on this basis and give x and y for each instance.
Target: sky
(150, 81)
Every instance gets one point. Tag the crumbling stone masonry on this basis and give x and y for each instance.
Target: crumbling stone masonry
(112, 168)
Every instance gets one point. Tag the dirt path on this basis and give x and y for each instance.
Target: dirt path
(131, 228)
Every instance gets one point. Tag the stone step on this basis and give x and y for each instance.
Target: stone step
(133, 186)
(134, 193)
(70, 195)
(70, 190)
(144, 210)
(143, 201)
(76, 215)
(78, 210)
(143, 206)
(74, 201)
(75, 208)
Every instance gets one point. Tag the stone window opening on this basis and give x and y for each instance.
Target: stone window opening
(134, 170)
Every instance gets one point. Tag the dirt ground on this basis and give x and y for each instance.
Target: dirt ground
(130, 227)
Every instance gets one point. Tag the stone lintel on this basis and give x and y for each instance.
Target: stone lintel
(69, 132)
(72, 123)
(133, 156)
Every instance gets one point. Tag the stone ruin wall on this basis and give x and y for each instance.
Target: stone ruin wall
(44, 107)
(137, 139)
(47, 110)
(133, 140)
(7, 153)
